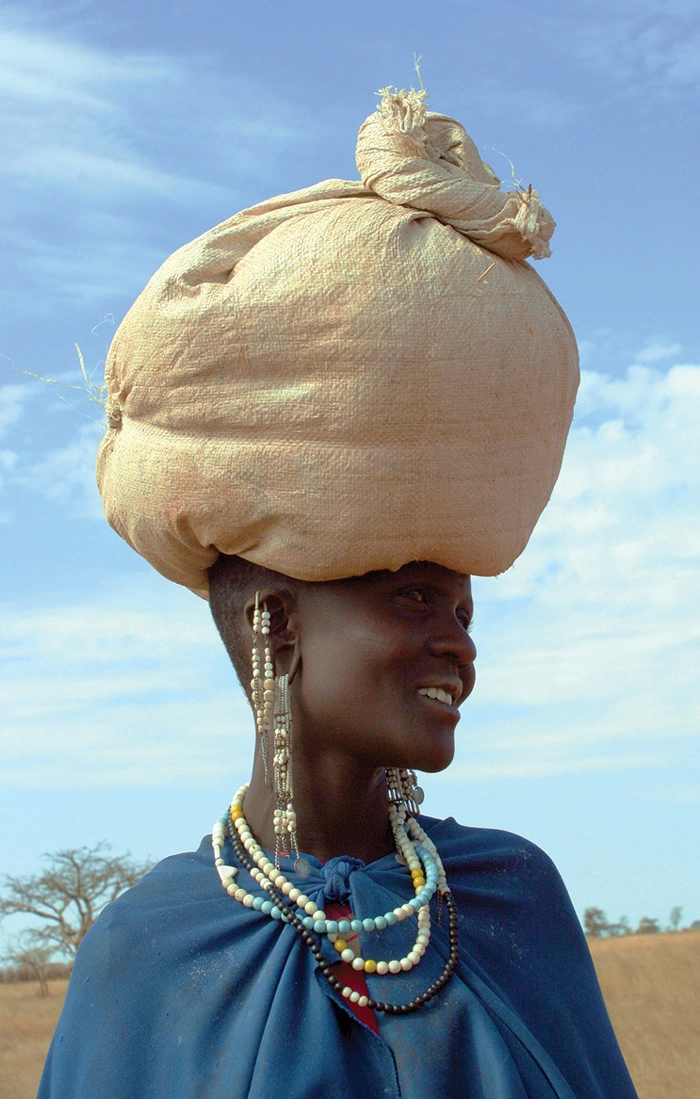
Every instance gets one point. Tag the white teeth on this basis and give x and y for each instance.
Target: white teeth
(437, 693)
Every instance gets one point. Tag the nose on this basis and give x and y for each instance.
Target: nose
(451, 639)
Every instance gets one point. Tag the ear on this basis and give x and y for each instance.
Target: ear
(283, 637)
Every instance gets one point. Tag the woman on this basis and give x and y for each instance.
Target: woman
(327, 939)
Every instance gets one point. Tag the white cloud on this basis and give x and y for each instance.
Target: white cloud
(130, 628)
(631, 476)
(656, 351)
(533, 767)
(42, 67)
(98, 174)
(63, 473)
(62, 101)
(642, 47)
(12, 401)
(176, 740)
(8, 461)
(93, 138)
(129, 688)
(86, 117)
(68, 473)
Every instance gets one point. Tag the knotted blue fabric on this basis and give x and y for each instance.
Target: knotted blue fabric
(180, 992)
(337, 873)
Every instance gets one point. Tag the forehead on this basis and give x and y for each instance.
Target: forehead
(418, 572)
(451, 585)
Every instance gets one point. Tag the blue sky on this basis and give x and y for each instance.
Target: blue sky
(129, 129)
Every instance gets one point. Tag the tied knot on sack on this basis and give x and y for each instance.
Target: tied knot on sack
(425, 161)
(113, 414)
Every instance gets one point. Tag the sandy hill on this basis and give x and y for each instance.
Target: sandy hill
(651, 985)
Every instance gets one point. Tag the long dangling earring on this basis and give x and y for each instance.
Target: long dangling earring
(402, 790)
(262, 684)
(273, 717)
(285, 818)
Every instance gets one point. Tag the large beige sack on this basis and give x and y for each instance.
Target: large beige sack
(348, 377)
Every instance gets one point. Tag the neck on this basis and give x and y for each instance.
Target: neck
(341, 807)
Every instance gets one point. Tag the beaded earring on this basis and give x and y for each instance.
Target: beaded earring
(285, 819)
(262, 684)
(273, 718)
(402, 791)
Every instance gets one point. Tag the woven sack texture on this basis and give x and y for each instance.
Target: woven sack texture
(349, 377)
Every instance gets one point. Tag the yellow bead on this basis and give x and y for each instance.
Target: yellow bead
(370, 966)
(340, 945)
(419, 882)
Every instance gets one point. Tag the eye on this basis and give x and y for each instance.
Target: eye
(416, 595)
(466, 619)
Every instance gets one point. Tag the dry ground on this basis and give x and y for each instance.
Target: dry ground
(27, 1022)
(651, 984)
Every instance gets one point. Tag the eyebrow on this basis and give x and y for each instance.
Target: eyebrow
(394, 580)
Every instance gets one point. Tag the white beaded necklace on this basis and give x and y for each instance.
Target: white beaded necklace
(414, 847)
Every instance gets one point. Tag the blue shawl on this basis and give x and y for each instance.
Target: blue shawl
(179, 992)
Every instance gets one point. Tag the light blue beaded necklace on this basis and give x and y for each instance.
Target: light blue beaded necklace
(414, 848)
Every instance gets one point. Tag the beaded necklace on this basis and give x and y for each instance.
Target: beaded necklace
(281, 900)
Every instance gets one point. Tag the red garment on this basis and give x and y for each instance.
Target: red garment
(354, 978)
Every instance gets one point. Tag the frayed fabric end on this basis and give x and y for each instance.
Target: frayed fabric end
(403, 112)
(535, 224)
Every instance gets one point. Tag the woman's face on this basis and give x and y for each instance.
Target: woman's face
(372, 648)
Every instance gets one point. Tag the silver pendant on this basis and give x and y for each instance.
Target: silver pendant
(302, 867)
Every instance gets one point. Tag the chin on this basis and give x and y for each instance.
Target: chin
(434, 766)
(432, 758)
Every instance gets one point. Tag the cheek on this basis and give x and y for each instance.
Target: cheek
(346, 685)
(328, 684)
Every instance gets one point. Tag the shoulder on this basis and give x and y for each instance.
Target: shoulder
(164, 904)
(490, 851)
(171, 880)
(509, 892)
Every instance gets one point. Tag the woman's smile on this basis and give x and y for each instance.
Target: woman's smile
(437, 693)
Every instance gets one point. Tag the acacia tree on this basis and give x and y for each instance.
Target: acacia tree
(648, 926)
(31, 958)
(595, 923)
(69, 895)
(622, 927)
